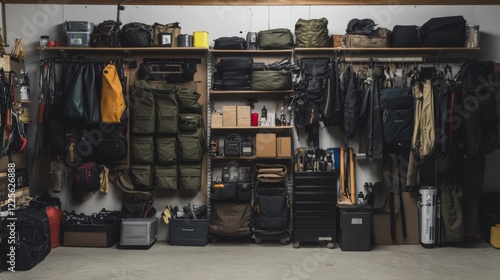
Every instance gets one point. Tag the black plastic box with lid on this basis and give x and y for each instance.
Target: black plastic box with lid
(355, 228)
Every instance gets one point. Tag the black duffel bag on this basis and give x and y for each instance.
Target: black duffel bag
(405, 36)
(31, 242)
(444, 32)
(136, 34)
(230, 43)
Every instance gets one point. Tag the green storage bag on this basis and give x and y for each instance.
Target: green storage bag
(190, 121)
(188, 100)
(190, 177)
(271, 80)
(143, 111)
(166, 150)
(191, 146)
(142, 149)
(312, 33)
(141, 177)
(166, 113)
(166, 177)
(275, 39)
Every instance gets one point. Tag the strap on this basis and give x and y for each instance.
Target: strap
(393, 158)
(352, 177)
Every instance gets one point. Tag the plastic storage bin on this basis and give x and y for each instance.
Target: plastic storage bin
(78, 33)
(188, 232)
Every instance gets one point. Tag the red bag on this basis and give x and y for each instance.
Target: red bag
(55, 215)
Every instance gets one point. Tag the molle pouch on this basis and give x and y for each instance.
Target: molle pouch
(188, 100)
(166, 113)
(189, 122)
(190, 177)
(143, 111)
(141, 177)
(166, 177)
(166, 150)
(191, 146)
(142, 149)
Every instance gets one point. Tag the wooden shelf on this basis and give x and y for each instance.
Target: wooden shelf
(422, 49)
(239, 92)
(251, 127)
(253, 52)
(248, 158)
(138, 49)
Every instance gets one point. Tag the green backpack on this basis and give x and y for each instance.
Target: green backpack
(312, 33)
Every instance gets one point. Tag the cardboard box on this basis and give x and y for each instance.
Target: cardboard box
(243, 115)
(337, 40)
(284, 146)
(382, 224)
(216, 120)
(265, 145)
(229, 116)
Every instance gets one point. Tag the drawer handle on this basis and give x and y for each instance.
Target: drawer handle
(188, 229)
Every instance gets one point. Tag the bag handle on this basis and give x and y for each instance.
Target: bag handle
(18, 52)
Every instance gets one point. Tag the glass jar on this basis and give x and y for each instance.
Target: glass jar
(43, 41)
(472, 36)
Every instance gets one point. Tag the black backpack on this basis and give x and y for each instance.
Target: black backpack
(476, 85)
(136, 34)
(444, 32)
(106, 34)
(398, 113)
(32, 239)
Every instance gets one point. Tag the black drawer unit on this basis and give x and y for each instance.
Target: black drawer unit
(315, 199)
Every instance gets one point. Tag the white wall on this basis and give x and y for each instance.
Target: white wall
(32, 21)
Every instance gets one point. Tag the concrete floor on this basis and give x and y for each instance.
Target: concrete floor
(268, 260)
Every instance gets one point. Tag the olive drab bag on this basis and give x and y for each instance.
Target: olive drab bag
(312, 33)
(172, 28)
(112, 100)
(278, 38)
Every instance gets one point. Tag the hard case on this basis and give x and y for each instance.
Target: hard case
(138, 233)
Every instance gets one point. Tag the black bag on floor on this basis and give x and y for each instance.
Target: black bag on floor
(230, 219)
(271, 210)
(405, 36)
(136, 34)
(444, 32)
(230, 43)
(32, 240)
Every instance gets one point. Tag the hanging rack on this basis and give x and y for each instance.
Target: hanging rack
(131, 62)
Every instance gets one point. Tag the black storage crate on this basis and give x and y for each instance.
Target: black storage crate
(188, 232)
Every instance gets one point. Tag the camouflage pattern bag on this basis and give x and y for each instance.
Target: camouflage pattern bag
(312, 33)
(379, 40)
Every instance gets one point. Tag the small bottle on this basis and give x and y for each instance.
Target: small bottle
(361, 199)
(225, 175)
(24, 86)
(264, 113)
(43, 41)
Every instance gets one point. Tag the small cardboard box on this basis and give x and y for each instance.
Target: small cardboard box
(337, 40)
(229, 116)
(265, 145)
(284, 147)
(243, 114)
(382, 224)
(216, 120)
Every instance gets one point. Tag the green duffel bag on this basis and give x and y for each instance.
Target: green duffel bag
(190, 177)
(275, 39)
(141, 177)
(312, 33)
(166, 177)
(271, 80)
